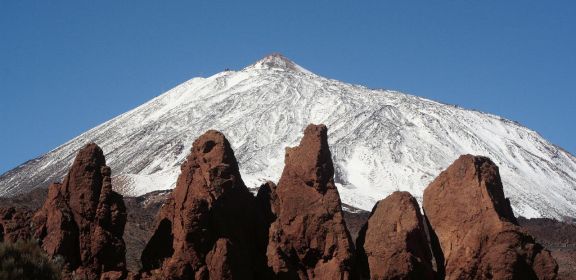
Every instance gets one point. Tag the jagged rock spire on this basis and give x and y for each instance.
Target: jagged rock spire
(309, 239)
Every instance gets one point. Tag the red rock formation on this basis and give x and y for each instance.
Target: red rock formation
(476, 228)
(207, 229)
(267, 207)
(267, 201)
(83, 220)
(309, 239)
(393, 243)
(14, 224)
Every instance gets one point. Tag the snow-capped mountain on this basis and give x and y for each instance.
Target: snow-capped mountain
(381, 140)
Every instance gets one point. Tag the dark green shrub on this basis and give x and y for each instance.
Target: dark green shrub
(25, 260)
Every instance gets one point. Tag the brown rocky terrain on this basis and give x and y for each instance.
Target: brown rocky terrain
(476, 229)
(559, 238)
(393, 243)
(142, 211)
(82, 220)
(15, 224)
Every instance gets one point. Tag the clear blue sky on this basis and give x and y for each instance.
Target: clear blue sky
(67, 66)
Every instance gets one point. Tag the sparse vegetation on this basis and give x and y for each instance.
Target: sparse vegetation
(26, 260)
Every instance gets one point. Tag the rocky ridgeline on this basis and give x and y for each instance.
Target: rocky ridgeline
(212, 227)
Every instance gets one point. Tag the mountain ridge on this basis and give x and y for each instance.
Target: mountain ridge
(383, 140)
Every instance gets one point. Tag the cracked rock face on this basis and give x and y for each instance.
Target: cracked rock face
(308, 239)
(82, 219)
(476, 229)
(393, 243)
(207, 229)
(14, 224)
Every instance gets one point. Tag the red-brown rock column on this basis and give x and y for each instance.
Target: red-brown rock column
(309, 239)
(476, 228)
(207, 229)
(83, 220)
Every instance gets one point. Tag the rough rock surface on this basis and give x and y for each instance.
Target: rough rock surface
(558, 237)
(267, 201)
(309, 239)
(207, 229)
(476, 229)
(393, 243)
(267, 208)
(15, 224)
(82, 220)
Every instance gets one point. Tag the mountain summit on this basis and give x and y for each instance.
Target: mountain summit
(381, 141)
(279, 62)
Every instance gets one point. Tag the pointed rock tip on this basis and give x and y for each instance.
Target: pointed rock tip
(468, 174)
(315, 140)
(311, 160)
(92, 148)
(90, 151)
(266, 189)
(478, 160)
(207, 141)
(316, 131)
(483, 167)
(469, 213)
(398, 198)
(212, 147)
(402, 195)
(212, 134)
(471, 167)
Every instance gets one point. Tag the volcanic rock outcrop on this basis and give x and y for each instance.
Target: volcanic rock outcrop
(267, 203)
(267, 208)
(207, 228)
(309, 239)
(393, 243)
(476, 228)
(82, 220)
(14, 224)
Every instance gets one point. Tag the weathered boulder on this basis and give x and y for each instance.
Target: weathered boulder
(308, 239)
(207, 229)
(82, 220)
(476, 229)
(393, 243)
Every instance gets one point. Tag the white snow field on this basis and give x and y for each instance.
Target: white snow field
(381, 140)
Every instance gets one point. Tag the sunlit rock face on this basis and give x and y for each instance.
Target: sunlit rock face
(476, 229)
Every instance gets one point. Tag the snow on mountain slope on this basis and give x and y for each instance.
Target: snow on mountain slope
(381, 141)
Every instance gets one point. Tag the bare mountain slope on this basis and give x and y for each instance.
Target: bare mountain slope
(381, 141)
